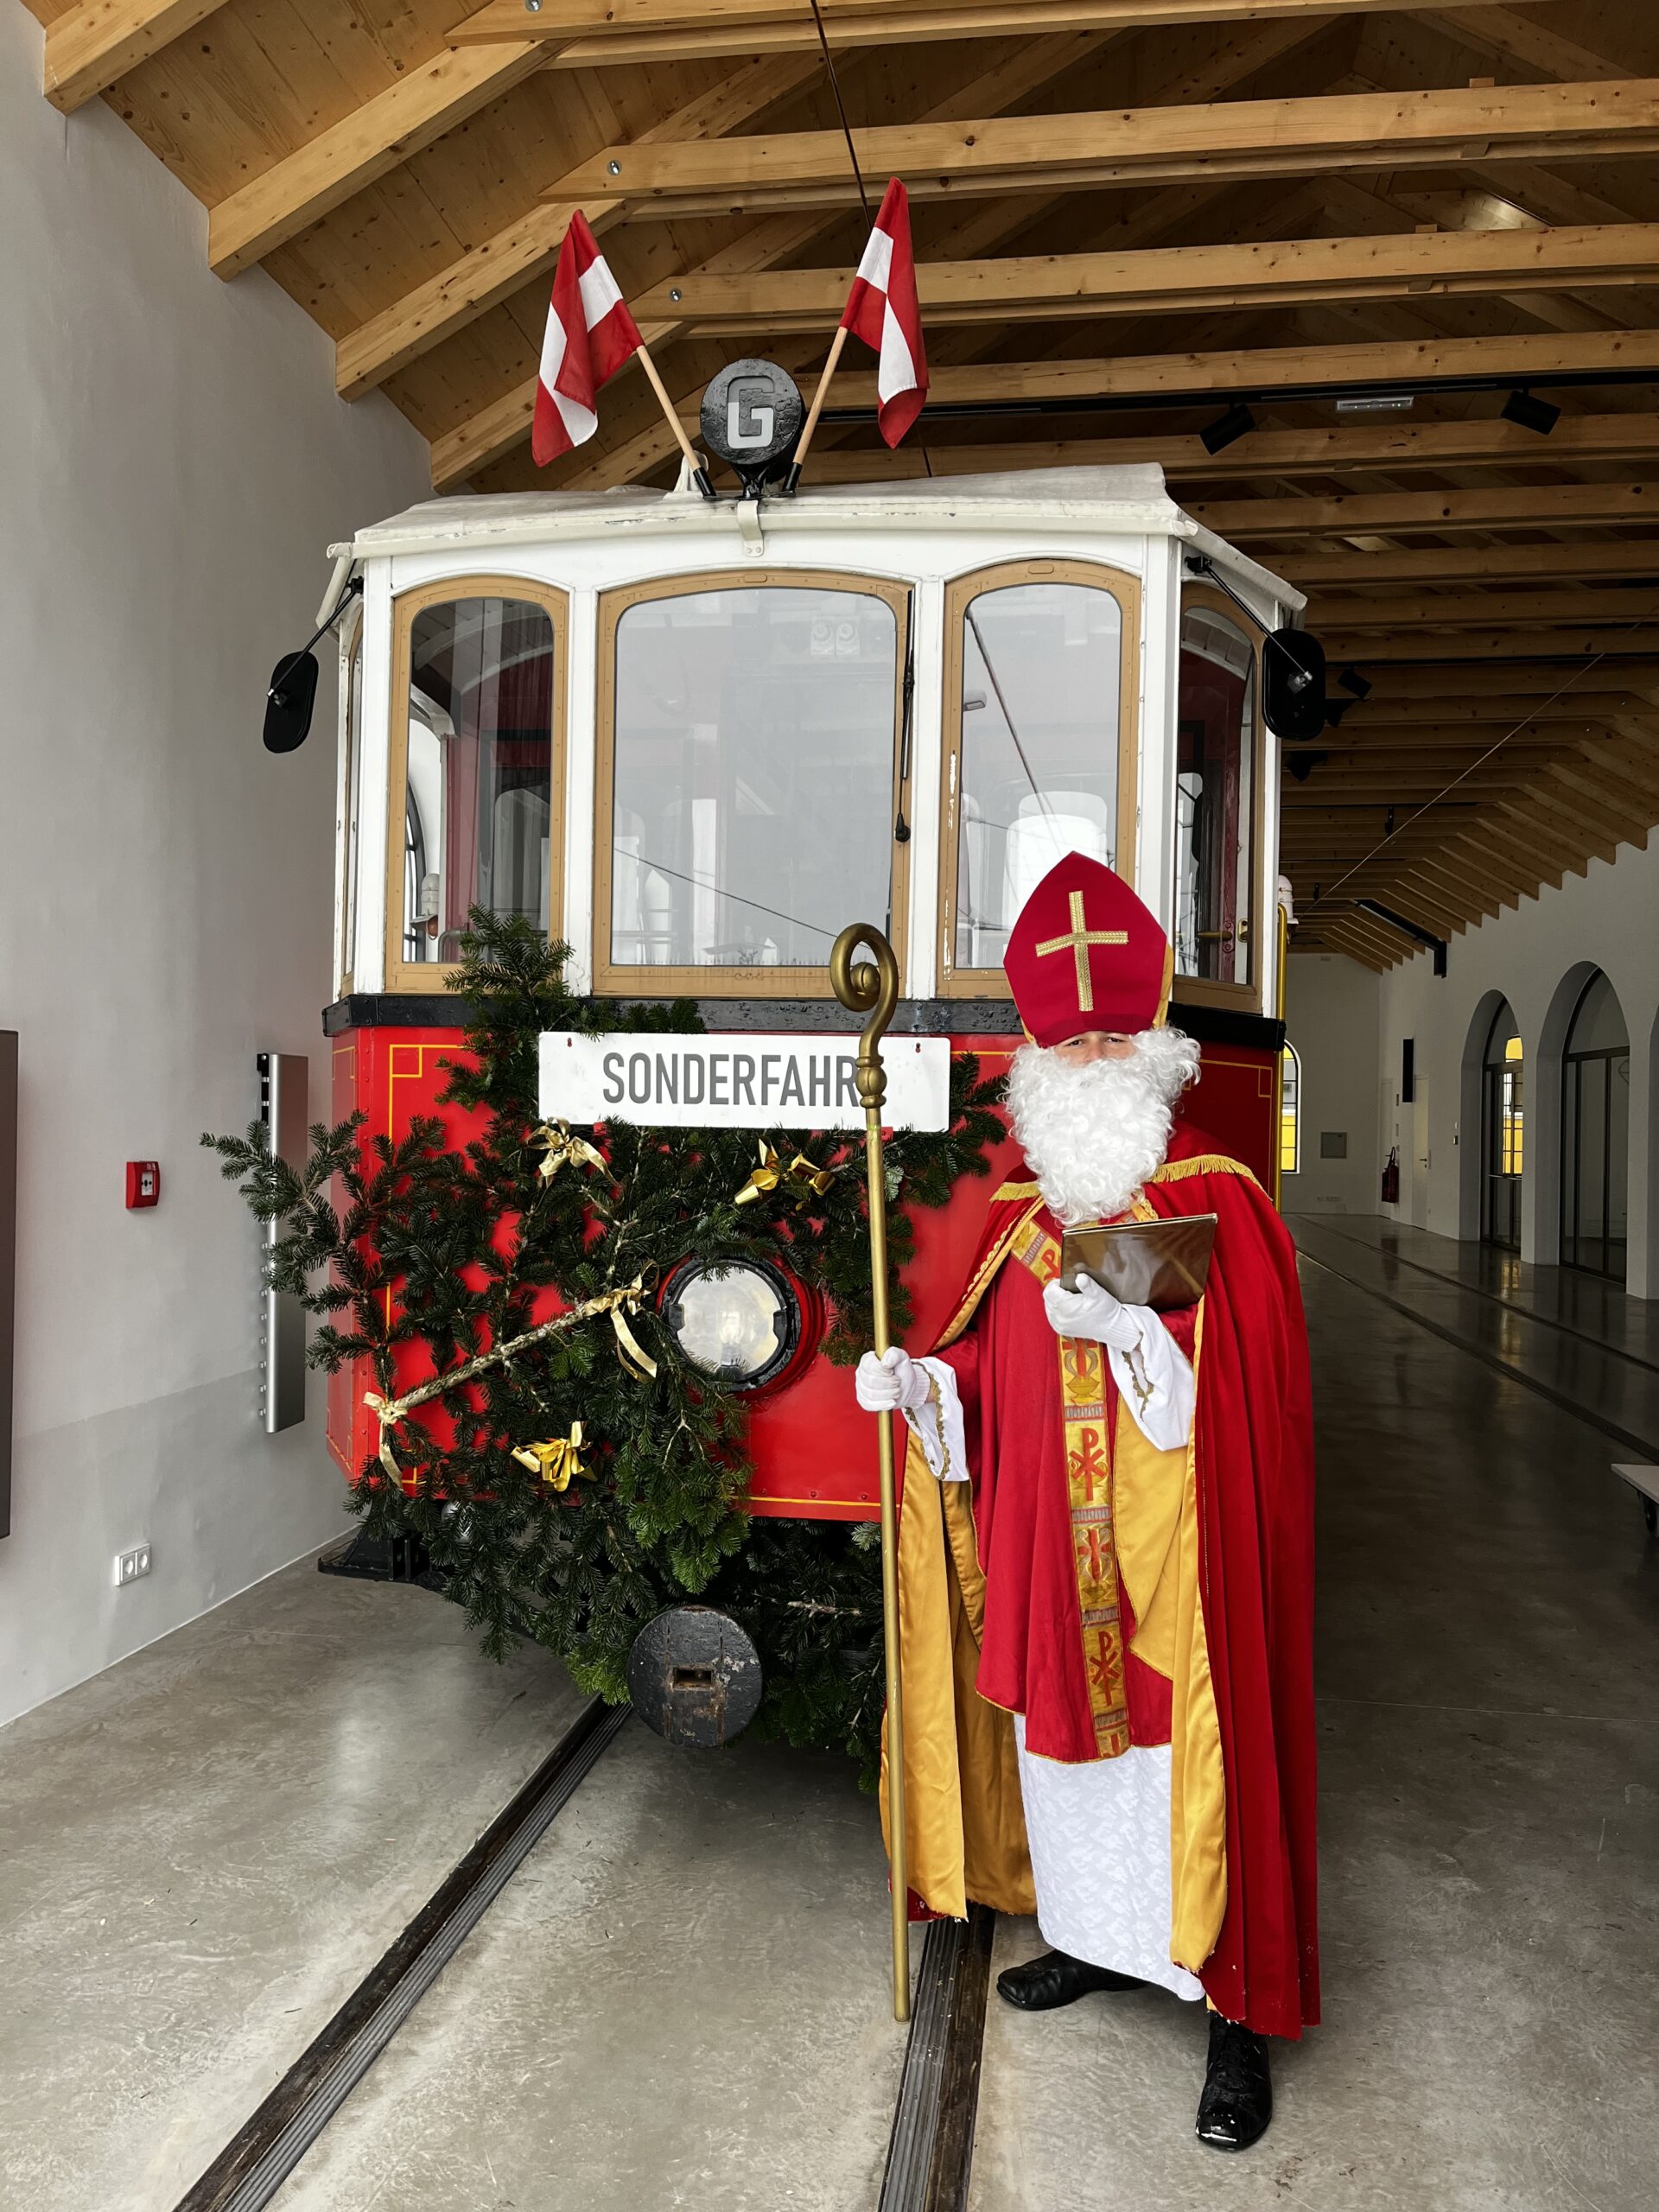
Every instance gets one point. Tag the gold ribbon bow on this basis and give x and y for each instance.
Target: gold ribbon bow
(815, 1180)
(555, 1461)
(763, 1179)
(812, 1179)
(636, 1360)
(563, 1144)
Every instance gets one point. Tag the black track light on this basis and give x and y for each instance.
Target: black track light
(1351, 680)
(1302, 764)
(1233, 424)
(1531, 413)
(1334, 711)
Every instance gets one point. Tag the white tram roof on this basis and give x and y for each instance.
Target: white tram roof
(1129, 499)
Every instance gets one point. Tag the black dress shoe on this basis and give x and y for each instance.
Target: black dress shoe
(1057, 1978)
(1237, 2101)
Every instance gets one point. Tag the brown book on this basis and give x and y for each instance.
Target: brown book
(1163, 1264)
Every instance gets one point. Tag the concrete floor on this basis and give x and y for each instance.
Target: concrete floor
(682, 1999)
(679, 2000)
(1489, 1721)
(204, 1850)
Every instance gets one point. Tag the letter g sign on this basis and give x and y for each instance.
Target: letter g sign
(751, 418)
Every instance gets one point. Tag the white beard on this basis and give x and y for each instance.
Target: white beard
(1094, 1134)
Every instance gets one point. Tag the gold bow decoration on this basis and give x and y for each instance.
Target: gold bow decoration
(810, 1180)
(636, 1360)
(562, 1144)
(763, 1179)
(556, 1460)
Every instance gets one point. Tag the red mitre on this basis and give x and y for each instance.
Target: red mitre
(1085, 954)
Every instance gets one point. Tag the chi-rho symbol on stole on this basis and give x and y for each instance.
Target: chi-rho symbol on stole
(1088, 1481)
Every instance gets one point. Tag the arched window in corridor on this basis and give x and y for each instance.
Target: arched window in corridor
(1290, 1112)
(1595, 1133)
(1503, 1146)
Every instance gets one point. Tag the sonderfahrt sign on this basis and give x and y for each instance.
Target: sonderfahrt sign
(735, 1082)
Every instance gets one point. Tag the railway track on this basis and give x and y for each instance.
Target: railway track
(930, 2148)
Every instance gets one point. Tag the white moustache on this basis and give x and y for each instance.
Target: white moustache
(1094, 1134)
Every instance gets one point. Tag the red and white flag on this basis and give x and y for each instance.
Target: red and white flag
(590, 334)
(882, 310)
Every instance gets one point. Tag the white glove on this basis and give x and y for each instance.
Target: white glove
(1091, 1312)
(890, 1384)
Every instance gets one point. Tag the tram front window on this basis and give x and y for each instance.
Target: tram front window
(1038, 759)
(1215, 801)
(753, 775)
(479, 760)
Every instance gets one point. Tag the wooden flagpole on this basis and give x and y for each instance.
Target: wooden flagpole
(699, 475)
(872, 990)
(793, 479)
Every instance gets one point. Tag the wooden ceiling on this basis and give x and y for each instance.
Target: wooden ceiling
(1128, 212)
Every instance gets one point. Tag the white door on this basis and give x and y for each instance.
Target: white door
(1420, 1155)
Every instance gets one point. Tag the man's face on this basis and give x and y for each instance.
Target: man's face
(1095, 1045)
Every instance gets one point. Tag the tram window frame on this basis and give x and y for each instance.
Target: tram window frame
(612, 979)
(428, 975)
(1208, 990)
(350, 801)
(1123, 586)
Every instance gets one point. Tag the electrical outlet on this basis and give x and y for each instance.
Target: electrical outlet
(130, 1566)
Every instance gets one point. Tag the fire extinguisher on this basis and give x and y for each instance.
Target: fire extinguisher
(1391, 1179)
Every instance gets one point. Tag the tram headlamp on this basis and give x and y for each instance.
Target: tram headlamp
(738, 1323)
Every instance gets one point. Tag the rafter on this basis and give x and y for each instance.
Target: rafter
(603, 33)
(1516, 37)
(1561, 647)
(88, 47)
(300, 189)
(1446, 612)
(1145, 145)
(527, 248)
(1187, 279)
(1346, 514)
(1463, 564)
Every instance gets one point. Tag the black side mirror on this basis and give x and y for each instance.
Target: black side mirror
(289, 701)
(1293, 685)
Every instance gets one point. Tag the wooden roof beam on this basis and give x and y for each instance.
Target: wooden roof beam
(523, 249)
(1551, 563)
(1349, 514)
(1424, 648)
(1513, 36)
(1191, 279)
(1448, 612)
(998, 153)
(1531, 357)
(88, 47)
(608, 32)
(366, 144)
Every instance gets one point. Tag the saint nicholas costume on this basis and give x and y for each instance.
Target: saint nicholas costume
(1106, 1561)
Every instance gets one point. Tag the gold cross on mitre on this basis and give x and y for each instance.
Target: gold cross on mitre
(1078, 944)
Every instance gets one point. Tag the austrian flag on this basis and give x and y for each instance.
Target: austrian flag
(882, 310)
(590, 334)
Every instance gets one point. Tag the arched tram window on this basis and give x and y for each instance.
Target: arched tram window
(1216, 801)
(475, 774)
(1039, 733)
(747, 779)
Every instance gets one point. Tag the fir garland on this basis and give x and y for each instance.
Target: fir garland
(470, 1240)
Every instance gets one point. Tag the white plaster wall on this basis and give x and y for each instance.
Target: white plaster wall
(1536, 956)
(172, 462)
(1331, 1015)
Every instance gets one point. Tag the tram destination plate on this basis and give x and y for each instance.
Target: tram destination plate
(738, 1082)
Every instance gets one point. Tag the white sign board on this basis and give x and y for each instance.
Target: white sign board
(738, 1082)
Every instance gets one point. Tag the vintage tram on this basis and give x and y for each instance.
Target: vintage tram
(693, 739)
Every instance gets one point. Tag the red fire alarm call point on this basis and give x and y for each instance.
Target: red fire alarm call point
(144, 1182)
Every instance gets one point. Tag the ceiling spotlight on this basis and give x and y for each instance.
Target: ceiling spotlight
(1235, 424)
(1531, 413)
(1352, 681)
(1334, 711)
(1302, 764)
